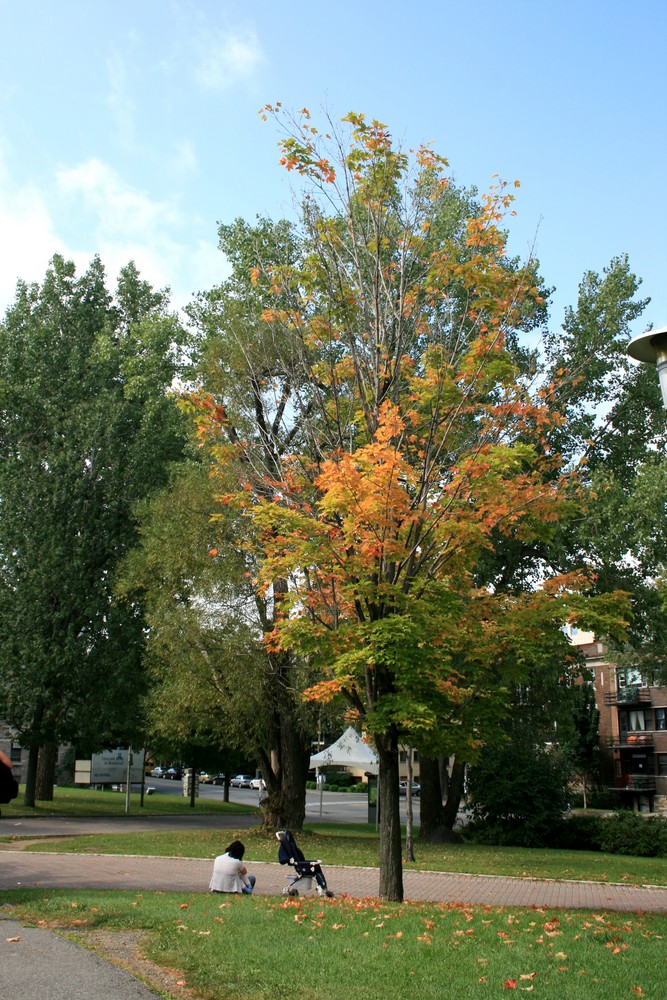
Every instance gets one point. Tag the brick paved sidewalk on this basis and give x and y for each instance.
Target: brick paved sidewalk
(84, 871)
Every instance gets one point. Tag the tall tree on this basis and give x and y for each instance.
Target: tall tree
(418, 440)
(615, 418)
(250, 378)
(87, 428)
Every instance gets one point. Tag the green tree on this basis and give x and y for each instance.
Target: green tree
(615, 428)
(519, 788)
(87, 428)
(249, 377)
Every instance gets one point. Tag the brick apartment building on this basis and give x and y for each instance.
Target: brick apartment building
(633, 729)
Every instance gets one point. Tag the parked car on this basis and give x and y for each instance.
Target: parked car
(173, 772)
(157, 772)
(403, 788)
(241, 781)
(258, 783)
(204, 778)
(218, 779)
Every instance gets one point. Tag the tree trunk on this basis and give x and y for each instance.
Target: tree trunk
(284, 764)
(391, 865)
(431, 812)
(46, 772)
(31, 778)
(455, 794)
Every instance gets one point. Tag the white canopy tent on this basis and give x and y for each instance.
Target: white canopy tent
(349, 750)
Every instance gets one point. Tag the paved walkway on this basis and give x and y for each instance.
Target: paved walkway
(85, 871)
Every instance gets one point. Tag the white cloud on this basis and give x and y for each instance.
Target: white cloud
(126, 224)
(184, 158)
(121, 106)
(100, 214)
(28, 238)
(117, 206)
(227, 59)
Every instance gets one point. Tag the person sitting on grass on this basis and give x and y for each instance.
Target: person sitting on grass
(229, 872)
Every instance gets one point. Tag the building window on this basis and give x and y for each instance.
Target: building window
(15, 753)
(629, 677)
(661, 719)
(662, 764)
(634, 720)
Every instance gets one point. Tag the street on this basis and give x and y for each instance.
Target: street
(332, 807)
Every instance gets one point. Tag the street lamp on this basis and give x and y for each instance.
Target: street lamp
(651, 348)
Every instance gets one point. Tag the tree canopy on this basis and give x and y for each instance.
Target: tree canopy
(87, 428)
(420, 441)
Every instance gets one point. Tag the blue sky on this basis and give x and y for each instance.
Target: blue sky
(131, 129)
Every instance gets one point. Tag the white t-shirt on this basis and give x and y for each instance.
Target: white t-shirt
(228, 875)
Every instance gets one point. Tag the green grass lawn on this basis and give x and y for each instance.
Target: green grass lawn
(323, 950)
(89, 802)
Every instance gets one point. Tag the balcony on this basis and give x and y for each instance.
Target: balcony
(631, 741)
(633, 694)
(636, 783)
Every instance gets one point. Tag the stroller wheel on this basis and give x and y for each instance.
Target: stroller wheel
(292, 892)
(330, 894)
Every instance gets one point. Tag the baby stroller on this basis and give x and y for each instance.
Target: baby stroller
(304, 871)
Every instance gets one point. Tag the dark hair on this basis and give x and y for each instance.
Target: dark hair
(236, 850)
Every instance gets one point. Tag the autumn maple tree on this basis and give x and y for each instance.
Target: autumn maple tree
(420, 442)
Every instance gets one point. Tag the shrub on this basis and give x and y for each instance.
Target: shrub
(635, 834)
(577, 833)
(518, 792)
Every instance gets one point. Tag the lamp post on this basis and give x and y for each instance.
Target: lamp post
(651, 348)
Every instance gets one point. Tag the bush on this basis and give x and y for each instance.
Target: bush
(360, 786)
(577, 833)
(342, 779)
(518, 792)
(635, 834)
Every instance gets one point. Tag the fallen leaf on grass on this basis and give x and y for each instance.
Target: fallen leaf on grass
(184, 906)
(638, 991)
(510, 984)
(529, 975)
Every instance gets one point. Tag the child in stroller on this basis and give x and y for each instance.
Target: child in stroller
(305, 871)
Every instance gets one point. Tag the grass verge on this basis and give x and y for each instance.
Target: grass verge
(313, 950)
(90, 802)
